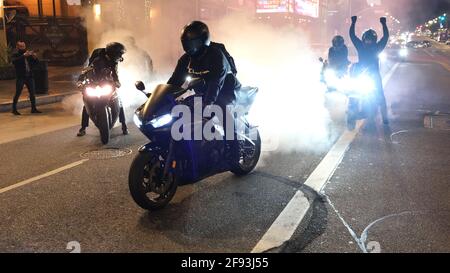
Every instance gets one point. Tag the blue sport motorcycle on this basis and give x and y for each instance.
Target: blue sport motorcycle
(165, 163)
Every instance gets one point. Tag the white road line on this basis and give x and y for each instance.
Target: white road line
(285, 225)
(388, 76)
(429, 53)
(331, 161)
(36, 178)
(290, 218)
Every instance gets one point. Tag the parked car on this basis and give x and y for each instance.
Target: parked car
(426, 43)
(414, 44)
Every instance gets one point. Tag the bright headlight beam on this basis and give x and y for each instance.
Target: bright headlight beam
(99, 91)
(331, 79)
(403, 52)
(364, 84)
(161, 121)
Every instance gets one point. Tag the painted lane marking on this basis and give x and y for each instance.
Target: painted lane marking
(436, 60)
(285, 225)
(429, 53)
(292, 215)
(36, 178)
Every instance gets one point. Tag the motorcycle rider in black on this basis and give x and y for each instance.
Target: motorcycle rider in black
(106, 59)
(369, 49)
(338, 56)
(211, 62)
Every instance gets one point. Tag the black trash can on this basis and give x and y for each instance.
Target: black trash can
(40, 75)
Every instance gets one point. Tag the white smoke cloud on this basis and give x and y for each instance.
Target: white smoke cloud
(290, 109)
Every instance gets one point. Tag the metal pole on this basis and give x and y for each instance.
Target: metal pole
(40, 11)
(54, 8)
(5, 37)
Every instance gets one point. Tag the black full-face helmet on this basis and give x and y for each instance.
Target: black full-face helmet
(115, 51)
(338, 41)
(370, 37)
(195, 38)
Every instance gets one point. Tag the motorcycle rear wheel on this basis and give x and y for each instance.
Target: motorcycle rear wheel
(145, 182)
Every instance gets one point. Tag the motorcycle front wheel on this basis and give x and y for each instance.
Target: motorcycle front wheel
(103, 125)
(149, 189)
(249, 154)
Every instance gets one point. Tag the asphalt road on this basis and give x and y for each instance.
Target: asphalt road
(90, 203)
(391, 191)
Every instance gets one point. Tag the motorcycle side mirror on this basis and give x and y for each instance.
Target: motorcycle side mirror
(140, 86)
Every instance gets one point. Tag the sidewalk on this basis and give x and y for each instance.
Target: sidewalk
(61, 84)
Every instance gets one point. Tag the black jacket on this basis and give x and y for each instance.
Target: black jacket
(99, 61)
(368, 56)
(18, 59)
(338, 57)
(214, 67)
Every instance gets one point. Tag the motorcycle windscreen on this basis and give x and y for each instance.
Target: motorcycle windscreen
(156, 100)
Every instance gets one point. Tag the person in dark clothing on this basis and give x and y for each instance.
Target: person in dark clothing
(23, 61)
(338, 55)
(211, 62)
(138, 60)
(141, 55)
(207, 60)
(106, 60)
(369, 49)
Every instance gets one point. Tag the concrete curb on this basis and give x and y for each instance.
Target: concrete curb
(40, 100)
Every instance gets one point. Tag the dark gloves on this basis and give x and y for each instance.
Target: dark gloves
(354, 18)
(383, 20)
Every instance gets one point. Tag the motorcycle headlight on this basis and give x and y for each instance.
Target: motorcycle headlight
(330, 76)
(331, 79)
(99, 91)
(382, 56)
(364, 84)
(161, 121)
(137, 121)
(403, 52)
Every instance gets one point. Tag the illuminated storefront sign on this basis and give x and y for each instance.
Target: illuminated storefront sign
(274, 6)
(307, 7)
(303, 7)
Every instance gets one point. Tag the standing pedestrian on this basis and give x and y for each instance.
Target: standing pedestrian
(23, 61)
